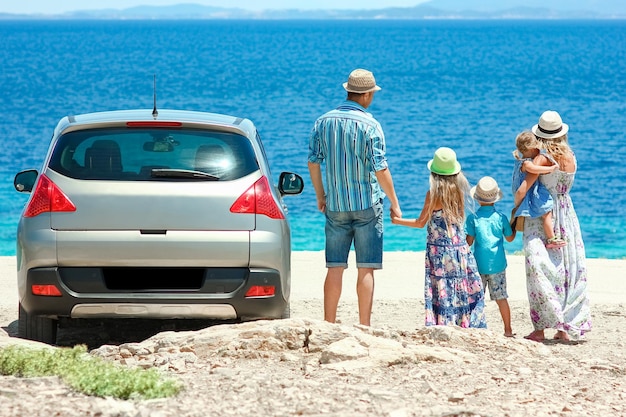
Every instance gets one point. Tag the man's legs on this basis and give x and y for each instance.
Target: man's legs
(339, 236)
(365, 227)
(365, 294)
(368, 245)
(332, 292)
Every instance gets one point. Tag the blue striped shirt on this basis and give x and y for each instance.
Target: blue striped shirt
(352, 144)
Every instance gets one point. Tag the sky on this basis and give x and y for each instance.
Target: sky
(61, 6)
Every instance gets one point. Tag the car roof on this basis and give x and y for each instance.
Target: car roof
(188, 118)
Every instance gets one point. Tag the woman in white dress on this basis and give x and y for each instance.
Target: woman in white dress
(556, 278)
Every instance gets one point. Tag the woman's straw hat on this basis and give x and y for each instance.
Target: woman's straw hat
(486, 191)
(550, 126)
(444, 162)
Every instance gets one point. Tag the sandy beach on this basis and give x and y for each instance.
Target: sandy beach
(398, 295)
(481, 373)
(401, 278)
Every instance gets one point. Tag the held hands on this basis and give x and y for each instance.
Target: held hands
(395, 214)
(405, 222)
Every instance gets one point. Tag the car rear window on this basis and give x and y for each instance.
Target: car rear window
(153, 155)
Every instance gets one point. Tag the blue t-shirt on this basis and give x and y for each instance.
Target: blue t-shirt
(488, 227)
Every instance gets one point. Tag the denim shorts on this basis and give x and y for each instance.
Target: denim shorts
(364, 228)
(496, 284)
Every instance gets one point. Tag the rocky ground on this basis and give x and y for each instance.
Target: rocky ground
(306, 367)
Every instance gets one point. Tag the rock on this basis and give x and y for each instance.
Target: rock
(308, 367)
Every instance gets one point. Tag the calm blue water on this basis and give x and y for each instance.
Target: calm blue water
(470, 85)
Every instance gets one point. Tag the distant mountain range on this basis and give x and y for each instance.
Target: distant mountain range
(433, 9)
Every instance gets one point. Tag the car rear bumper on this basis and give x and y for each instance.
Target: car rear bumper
(152, 310)
(219, 293)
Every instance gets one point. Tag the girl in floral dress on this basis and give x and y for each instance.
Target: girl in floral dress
(556, 279)
(453, 292)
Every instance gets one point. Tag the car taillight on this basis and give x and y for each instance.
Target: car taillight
(46, 290)
(47, 198)
(258, 199)
(261, 291)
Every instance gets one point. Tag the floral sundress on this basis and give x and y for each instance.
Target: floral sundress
(556, 279)
(453, 291)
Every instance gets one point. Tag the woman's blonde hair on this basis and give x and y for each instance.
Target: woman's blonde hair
(525, 141)
(557, 148)
(450, 192)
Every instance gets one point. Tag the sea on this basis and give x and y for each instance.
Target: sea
(471, 85)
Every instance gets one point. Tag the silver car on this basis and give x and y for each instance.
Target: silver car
(143, 215)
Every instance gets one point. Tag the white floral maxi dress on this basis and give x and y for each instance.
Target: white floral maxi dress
(556, 279)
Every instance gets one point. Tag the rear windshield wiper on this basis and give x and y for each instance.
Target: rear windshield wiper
(182, 173)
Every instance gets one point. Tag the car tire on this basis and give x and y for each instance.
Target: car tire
(286, 312)
(36, 328)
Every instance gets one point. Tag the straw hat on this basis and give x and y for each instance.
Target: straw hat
(550, 126)
(361, 81)
(486, 191)
(444, 162)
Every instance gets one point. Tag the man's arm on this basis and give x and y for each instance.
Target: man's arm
(315, 171)
(386, 183)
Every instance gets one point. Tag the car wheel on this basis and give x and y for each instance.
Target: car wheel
(36, 328)
(287, 312)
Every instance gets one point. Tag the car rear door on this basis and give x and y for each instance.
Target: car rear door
(153, 198)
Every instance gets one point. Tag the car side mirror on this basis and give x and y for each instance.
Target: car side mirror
(290, 183)
(25, 180)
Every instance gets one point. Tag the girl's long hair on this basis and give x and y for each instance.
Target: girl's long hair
(449, 192)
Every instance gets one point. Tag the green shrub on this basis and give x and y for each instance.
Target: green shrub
(85, 373)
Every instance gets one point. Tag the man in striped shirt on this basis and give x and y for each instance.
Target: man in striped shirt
(351, 143)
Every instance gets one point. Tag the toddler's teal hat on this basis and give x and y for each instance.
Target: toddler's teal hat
(444, 162)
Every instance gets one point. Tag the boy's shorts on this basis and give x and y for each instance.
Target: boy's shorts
(496, 284)
(364, 227)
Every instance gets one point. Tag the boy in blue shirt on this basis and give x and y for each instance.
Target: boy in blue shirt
(486, 230)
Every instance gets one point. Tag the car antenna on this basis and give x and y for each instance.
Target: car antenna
(155, 113)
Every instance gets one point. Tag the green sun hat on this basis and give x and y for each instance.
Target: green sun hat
(444, 162)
